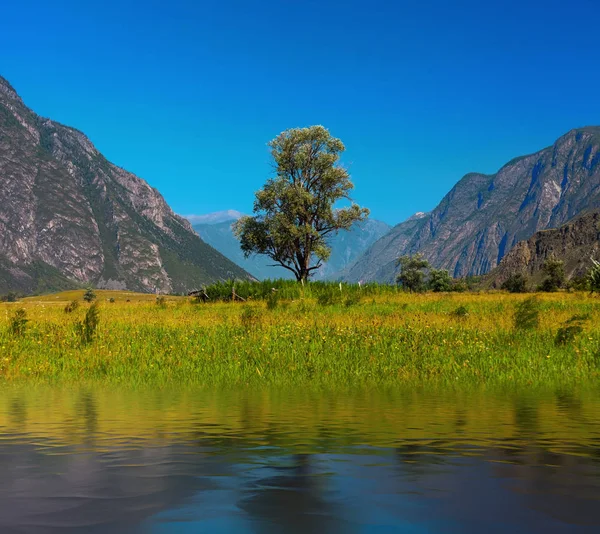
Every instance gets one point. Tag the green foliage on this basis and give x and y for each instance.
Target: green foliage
(439, 281)
(412, 274)
(580, 283)
(460, 313)
(251, 317)
(594, 277)
(515, 283)
(329, 296)
(86, 329)
(555, 275)
(89, 295)
(11, 296)
(567, 333)
(272, 300)
(18, 323)
(72, 306)
(293, 212)
(527, 314)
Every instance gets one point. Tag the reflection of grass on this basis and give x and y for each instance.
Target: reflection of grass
(386, 339)
(306, 419)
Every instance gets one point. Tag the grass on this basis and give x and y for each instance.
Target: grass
(388, 338)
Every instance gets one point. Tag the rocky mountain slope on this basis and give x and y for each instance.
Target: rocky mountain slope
(345, 247)
(69, 217)
(484, 216)
(574, 243)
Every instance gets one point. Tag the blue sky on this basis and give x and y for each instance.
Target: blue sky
(187, 94)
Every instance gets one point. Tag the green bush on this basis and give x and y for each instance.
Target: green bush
(515, 283)
(567, 333)
(555, 275)
(72, 306)
(594, 277)
(527, 314)
(460, 313)
(89, 295)
(439, 281)
(86, 329)
(18, 323)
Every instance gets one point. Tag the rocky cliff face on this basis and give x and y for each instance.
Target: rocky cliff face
(575, 243)
(68, 216)
(484, 216)
(345, 247)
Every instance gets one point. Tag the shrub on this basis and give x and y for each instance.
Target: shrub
(329, 295)
(570, 330)
(11, 296)
(89, 295)
(439, 280)
(272, 301)
(460, 313)
(352, 299)
(86, 329)
(527, 314)
(515, 283)
(579, 283)
(412, 273)
(251, 317)
(555, 275)
(18, 323)
(72, 306)
(111, 300)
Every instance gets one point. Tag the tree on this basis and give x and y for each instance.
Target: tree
(439, 280)
(412, 274)
(89, 295)
(555, 275)
(515, 283)
(293, 213)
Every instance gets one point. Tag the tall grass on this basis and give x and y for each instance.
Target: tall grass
(386, 337)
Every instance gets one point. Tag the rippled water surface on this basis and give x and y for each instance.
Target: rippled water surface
(88, 460)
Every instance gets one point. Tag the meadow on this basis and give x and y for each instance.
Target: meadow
(324, 336)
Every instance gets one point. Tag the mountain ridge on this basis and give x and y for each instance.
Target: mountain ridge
(484, 215)
(65, 207)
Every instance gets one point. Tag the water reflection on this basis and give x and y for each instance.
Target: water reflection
(161, 461)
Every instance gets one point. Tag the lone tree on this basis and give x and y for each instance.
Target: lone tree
(293, 213)
(555, 275)
(412, 275)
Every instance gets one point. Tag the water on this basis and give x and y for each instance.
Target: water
(88, 460)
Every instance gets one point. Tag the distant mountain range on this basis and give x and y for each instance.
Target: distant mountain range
(484, 216)
(346, 246)
(70, 217)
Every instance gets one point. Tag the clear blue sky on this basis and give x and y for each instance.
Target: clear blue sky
(186, 94)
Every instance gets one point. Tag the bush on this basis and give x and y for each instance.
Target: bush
(11, 296)
(527, 314)
(72, 306)
(567, 333)
(251, 317)
(86, 329)
(555, 275)
(580, 283)
(460, 313)
(329, 295)
(89, 295)
(18, 323)
(515, 283)
(272, 301)
(439, 281)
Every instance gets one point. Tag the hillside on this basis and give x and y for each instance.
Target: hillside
(484, 216)
(574, 243)
(345, 247)
(69, 217)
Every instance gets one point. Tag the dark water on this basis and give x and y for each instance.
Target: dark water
(266, 462)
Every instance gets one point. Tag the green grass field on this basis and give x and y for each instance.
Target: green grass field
(382, 339)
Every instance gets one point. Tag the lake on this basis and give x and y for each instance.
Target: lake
(266, 461)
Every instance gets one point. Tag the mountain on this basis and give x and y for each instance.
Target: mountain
(69, 217)
(484, 216)
(574, 243)
(345, 247)
(215, 218)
